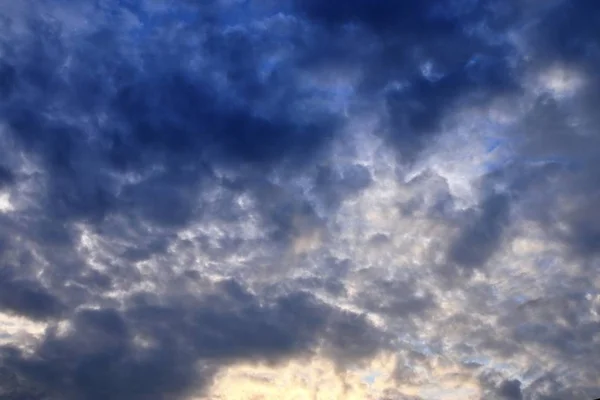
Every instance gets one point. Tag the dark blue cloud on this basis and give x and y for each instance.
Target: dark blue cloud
(7, 177)
(100, 357)
(410, 17)
(461, 42)
(27, 297)
(478, 241)
(129, 124)
(510, 390)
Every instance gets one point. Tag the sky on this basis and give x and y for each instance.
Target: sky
(299, 199)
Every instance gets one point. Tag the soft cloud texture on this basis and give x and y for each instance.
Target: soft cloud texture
(256, 199)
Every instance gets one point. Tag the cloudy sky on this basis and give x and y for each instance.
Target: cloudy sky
(299, 199)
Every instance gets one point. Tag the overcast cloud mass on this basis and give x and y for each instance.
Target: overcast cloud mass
(299, 199)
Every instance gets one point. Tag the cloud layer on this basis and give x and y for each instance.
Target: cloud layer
(231, 199)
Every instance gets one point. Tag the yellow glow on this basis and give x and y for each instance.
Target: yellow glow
(318, 378)
(315, 378)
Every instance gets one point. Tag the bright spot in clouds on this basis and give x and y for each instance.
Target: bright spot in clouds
(245, 200)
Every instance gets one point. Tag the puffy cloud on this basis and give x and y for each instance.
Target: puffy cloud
(236, 199)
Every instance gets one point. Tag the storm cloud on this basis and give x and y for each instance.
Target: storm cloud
(204, 200)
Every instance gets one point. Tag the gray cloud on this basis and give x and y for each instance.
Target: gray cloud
(184, 189)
